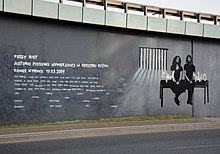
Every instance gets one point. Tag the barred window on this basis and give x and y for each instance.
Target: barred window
(152, 58)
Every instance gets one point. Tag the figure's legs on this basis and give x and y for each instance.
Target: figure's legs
(181, 88)
(177, 101)
(174, 88)
(178, 89)
(190, 93)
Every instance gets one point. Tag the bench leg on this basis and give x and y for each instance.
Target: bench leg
(207, 92)
(161, 97)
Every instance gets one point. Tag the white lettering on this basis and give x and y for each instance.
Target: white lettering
(20, 70)
(89, 65)
(40, 64)
(20, 56)
(21, 63)
(35, 71)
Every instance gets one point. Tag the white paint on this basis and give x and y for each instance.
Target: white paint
(114, 106)
(141, 59)
(193, 147)
(144, 60)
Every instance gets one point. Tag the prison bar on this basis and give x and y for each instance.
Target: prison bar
(152, 58)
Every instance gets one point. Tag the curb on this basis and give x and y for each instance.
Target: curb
(105, 131)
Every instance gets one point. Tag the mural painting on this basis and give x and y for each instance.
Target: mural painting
(184, 79)
(92, 73)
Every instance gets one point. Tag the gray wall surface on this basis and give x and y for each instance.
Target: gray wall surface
(104, 79)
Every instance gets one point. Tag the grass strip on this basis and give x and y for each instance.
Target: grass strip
(125, 119)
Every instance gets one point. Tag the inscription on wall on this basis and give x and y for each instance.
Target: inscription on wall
(56, 82)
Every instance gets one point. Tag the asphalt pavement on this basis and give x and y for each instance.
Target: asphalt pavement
(176, 142)
(105, 129)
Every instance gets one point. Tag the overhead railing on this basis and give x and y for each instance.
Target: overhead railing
(146, 9)
(116, 13)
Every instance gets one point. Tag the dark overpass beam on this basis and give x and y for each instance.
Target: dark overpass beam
(215, 19)
(84, 3)
(145, 10)
(125, 6)
(163, 12)
(198, 16)
(105, 4)
(181, 15)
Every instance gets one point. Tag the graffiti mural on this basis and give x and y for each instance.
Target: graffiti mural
(91, 72)
(183, 79)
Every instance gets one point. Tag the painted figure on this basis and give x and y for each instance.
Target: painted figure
(178, 85)
(177, 74)
(189, 73)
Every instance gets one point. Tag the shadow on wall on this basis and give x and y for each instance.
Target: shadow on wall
(140, 93)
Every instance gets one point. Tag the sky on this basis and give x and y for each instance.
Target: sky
(203, 6)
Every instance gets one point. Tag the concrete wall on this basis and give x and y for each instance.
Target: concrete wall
(114, 88)
(206, 57)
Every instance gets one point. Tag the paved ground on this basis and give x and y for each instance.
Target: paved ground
(176, 142)
(105, 129)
